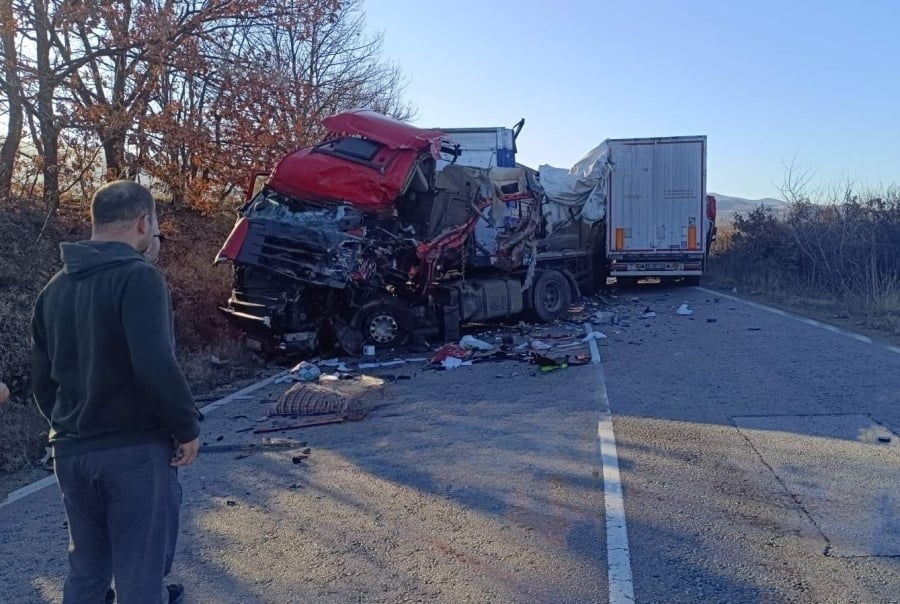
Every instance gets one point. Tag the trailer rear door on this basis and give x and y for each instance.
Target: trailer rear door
(657, 194)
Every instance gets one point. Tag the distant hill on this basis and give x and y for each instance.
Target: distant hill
(728, 206)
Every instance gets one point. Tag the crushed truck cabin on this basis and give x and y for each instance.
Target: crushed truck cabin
(382, 235)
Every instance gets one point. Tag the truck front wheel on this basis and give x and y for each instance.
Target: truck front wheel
(550, 296)
(383, 324)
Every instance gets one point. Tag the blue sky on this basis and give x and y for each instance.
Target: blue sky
(768, 82)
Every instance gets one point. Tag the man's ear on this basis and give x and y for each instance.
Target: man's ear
(144, 224)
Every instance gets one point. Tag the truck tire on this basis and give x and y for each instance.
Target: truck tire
(550, 296)
(383, 324)
(691, 281)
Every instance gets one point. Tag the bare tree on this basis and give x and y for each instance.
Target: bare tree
(328, 63)
(145, 39)
(195, 92)
(11, 85)
(47, 81)
(40, 23)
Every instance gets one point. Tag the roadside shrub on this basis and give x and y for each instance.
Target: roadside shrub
(846, 250)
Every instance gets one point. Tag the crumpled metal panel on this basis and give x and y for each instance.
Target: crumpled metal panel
(306, 174)
(377, 127)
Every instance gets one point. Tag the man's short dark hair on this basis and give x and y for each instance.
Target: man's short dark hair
(121, 201)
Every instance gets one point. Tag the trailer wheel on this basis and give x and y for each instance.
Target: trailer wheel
(384, 325)
(550, 296)
(692, 281)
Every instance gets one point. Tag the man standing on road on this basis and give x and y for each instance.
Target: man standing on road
(122, 418)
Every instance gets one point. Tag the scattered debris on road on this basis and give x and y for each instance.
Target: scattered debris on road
(684, 310)
(254, 447)
(604, 317)
(473, 343)
(306, 372)
(548, 364)
(449, 351)
(453, 363)
(321, 420)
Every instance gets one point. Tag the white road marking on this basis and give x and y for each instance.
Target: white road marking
(240, 393)
(43, 483)
(832, 328)
(618, 554)
(25, 491)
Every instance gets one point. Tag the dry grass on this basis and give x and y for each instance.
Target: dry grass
(211, 359)
(26, 263)
(218, 367)
(884, 313)
(198, 288)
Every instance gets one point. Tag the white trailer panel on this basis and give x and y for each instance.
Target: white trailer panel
(482, 147)
(657, 197)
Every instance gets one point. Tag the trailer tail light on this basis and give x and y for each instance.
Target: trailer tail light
(235, 241)
(620, 239)
(692, 237)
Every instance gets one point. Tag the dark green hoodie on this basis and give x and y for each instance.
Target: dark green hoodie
(103, 361)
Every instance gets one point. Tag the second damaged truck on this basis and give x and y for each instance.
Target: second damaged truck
(378, 235)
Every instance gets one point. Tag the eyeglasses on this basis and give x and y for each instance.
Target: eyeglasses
(161, 237)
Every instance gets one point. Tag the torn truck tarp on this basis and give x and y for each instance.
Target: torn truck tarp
(582, 189)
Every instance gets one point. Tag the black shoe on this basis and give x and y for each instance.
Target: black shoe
(176, 593)
(110, 596)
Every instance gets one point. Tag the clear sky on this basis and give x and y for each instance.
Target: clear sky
(768, 82)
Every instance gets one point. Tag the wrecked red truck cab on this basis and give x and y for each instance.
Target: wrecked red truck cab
(363, 238)
(368, 161)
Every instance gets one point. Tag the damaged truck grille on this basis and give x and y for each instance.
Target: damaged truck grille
(328, 258)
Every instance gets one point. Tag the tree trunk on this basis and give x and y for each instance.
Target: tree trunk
(47, 83)
(114, 153)
(13, 91)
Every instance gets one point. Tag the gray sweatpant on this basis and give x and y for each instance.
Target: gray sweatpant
(122, 506)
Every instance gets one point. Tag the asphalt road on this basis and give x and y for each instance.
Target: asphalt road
(750, 448)
(752, 463)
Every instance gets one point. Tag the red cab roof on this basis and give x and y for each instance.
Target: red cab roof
(378, 127)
